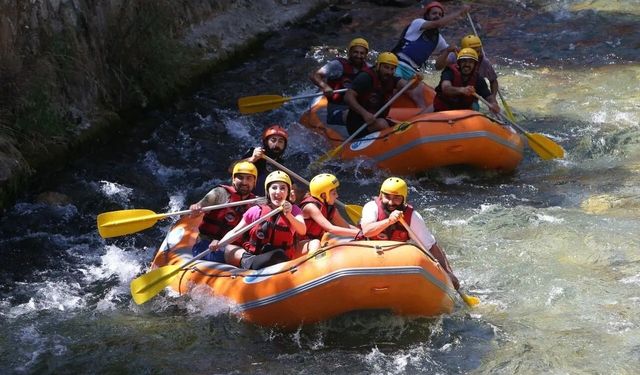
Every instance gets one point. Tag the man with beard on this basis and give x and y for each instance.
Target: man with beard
(420, 40)
(459, 82)
(215, 224)
(484, 67)
(369, 92)
(338, 74)
(274, 143)
(380, 221)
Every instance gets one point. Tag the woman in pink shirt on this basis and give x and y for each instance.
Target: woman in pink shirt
(273, 241)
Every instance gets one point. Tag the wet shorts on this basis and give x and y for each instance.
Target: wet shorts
(404, 71)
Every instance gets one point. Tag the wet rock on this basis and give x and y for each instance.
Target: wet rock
(53, 198)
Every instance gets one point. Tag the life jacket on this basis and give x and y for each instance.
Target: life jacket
(217, 223)
(379, 94)
(349, 72)
(274, 233)
(395, 232)
(314, 230)
(417, 50)
(444, 103)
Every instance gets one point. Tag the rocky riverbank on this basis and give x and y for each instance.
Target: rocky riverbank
(70, 68)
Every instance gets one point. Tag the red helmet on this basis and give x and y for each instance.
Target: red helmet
(433, 4)
(274, 130)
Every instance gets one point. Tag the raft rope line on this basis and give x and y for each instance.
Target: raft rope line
(402, 126)
(308, 258)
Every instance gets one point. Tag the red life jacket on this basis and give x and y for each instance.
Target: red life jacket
(395, 232)
(314, 230)
(275, 232)
(217, 223)
(445, 103)
(349, 72)
(379, 94)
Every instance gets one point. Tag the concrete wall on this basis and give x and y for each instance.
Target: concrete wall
(68, 67)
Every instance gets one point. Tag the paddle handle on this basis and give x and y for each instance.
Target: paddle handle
(413, 236)
(504, 102)
(233, 237)
(502, 117)
(317, 94)
(469, 300)
(211, 208)
(384, 107)
(294, 175)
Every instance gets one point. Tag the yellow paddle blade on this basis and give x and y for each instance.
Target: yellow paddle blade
(119, 223)
(471, 301)
(544, 147)
(507, 109)
(260, 103)
(354, 212)
(147, 286)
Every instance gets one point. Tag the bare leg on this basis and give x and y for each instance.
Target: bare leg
(233, 255)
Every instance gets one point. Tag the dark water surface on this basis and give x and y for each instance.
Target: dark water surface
(553, 250)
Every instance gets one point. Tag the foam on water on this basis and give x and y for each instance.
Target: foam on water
(162, 172)
(115, 191)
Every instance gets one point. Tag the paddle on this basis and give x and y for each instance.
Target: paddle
(353, 211)
(119, 223)
(331, 154)
(261, 103)
(147, 286)
(543, 146)
(507, 109)
(471, 301)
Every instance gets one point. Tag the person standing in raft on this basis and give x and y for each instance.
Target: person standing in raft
(484, 68)
(320, 214)
(274, 241)
(338, 74)
(215, 224)
(274, 144)
(380, 221)
(369, 92)
(459, 82)
(420, 40)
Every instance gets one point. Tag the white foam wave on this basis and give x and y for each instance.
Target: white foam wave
(50, 295)
(202, 303)
(116, 192)
(159, 170)
(124, 265)
(631, 280)
(34, 344)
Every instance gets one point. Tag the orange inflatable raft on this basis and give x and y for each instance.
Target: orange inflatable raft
(422, 142)
(339, 278)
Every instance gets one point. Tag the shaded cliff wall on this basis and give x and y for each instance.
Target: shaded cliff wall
(68, 67)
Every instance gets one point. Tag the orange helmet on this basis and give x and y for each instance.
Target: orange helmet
(274, 130)
(433, 4)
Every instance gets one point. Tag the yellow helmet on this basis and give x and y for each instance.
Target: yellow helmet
(323, 183)
(468, 53)
(395, 186)
(387, 58)
(359, 42)
(245, 167)
(470, 41)
(277, 176)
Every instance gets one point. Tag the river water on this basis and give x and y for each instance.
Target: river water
(551, 250)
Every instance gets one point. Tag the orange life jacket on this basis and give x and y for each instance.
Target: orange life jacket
(395, 232)
(217, 223)
(314, 230)
(275, 232)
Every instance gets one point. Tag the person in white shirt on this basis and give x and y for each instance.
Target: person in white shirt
(380, 221)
